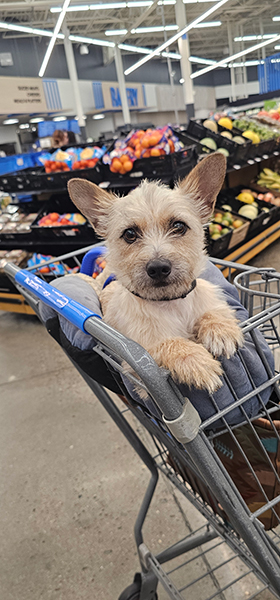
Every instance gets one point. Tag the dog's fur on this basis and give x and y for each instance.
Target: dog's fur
(182, 334)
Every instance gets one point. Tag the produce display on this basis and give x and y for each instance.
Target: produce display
(55, 268)
(15, 220)
(72, 159)
(18, 257)
(227, 123)
(269, 179)
(223, 221)
(255, 131)
(141, 144)
(54, 219)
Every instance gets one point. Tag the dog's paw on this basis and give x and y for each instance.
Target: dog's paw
(219, 335)
(189, 363)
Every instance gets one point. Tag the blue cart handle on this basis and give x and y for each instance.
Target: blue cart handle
(89, 259)
(73, 311)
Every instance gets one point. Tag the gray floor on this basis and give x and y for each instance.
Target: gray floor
(70, 484)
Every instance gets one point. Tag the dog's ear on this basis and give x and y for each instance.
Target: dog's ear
(204, 183)
(93, 202)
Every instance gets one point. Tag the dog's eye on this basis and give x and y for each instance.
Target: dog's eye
(179, 227)
(130, 235)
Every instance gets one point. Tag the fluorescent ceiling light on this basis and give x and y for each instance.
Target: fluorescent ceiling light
(60, 119)
(10, 121)
(229, 59)
(176, 36)
(247, 63)
(174, 55)
(85, 40)
(276, 47)
(275, 18)
(23, 29)
(24, 126)
(107, 6)
(99, 116)
(196, 1)
(155, 29)
(53, 39)
(250, 38)
(36, 120)
(209, 24)
(201, 61)
(116, 32)
(140, 50)
(138, 3)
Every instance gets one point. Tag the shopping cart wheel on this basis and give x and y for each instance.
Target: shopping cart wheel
(132, 592)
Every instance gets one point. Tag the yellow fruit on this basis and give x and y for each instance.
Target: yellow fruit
(246, 197)
(250, 135)
(225, 122)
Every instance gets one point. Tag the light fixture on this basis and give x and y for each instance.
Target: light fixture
(201, 61)
(171, 55)
(250, 38)
(76, 118)
(229, 59)
(276, 18)
(107, 6)
(155, 29)
(196, 1)
(99, 116)
(116, 32)
(139, 3)
(175, 37)
(24, 126)
(58, 9)
(61, 118)
(85, 40)
(36, 120)
(209, 24)
(246, 63)
(84, 49)
(10, 121)
(276, 47)
(53, 39)
(141, 50)
(182, 80)
(23, 29)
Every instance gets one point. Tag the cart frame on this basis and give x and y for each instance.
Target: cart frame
(179, 431)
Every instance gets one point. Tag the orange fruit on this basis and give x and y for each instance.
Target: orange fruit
(147, 154)
(116, 164)
(145, 142)
(124, 158)
(155, 152)
(128, 165)
(122, 171)
(138, 153)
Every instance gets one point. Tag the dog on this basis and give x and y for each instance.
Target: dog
(155, 240)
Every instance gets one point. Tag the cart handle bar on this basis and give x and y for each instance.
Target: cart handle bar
(73, 311)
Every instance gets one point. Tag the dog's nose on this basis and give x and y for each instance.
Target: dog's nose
(158, 269)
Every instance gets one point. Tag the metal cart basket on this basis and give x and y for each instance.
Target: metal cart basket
(195, 456)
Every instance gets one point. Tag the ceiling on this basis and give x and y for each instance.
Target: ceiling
(245, 16)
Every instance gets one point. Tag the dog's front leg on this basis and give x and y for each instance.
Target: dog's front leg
(219, 333)
(188, 363)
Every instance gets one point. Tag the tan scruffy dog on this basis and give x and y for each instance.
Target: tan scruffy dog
(155, 240)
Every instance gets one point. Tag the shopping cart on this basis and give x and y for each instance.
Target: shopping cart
(196, 457)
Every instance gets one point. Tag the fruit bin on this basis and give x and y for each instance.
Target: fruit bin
(237, 153)
(168, 168)
(262, 220)
(228, 240)
(16, 223)
(243, 151)
(61, 205)
(35, 179)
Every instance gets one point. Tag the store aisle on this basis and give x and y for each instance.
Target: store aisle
(70, 483)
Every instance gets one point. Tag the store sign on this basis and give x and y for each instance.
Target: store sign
(21, 95)
(107, 95)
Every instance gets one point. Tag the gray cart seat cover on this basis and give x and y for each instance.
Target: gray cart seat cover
(78, 289)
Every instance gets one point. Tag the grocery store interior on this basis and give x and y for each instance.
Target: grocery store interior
(113, 93)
